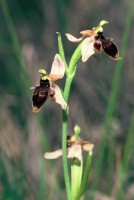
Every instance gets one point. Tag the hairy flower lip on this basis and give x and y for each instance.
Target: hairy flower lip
(47, 88)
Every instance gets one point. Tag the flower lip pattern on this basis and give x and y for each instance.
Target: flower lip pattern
(95, 42)
(106, 44)
(74, 149)
(47, 89)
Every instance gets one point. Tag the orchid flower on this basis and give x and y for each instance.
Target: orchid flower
(74, 149)
(47, 89)
(95, 42)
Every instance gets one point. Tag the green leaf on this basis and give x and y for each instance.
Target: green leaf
(76, 176)
(86, 174)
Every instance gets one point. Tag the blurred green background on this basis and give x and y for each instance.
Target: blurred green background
(101, 101)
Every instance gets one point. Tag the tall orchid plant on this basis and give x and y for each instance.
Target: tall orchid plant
(91, 42)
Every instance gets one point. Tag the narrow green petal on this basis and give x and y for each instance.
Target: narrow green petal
(99, 28)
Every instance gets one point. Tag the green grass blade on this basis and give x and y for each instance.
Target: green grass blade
(113, 96)
(127, 155)
(24, 75)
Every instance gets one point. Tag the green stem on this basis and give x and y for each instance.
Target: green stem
(75, 58)
(64, 139)
(72, 69)
(64, 158)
